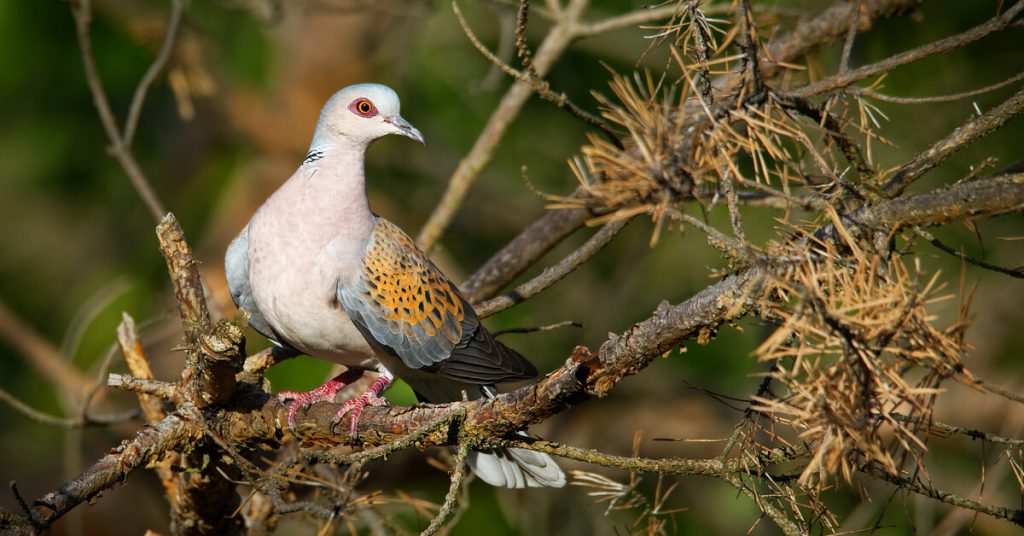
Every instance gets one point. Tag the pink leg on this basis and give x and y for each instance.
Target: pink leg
(326, 392)
(370, 398)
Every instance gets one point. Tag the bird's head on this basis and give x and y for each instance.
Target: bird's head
(362, 113)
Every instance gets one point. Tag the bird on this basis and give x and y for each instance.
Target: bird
(319, 272)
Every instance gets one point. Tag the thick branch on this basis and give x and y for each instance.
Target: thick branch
(149, 444)
(974, 129)
(827, 26)
(259, 417)
(984, 197)
(214, 353)
(583, 376)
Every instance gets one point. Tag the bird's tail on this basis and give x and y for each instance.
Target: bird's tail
(516, 468)
(508, 467)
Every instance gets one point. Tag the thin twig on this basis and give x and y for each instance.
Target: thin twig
(160, 389)
(554, 44)
(843, 79)
(1017, 273)
(736, 252)
(537, 84)
(451, 498)
(943, 429)
(82, 11)
(99, 382)
(732, 202)
(521, 252)
(135, 110)
(749, 44)
(553, 274)
(67, 422)
(1005, 393)
(549, 327)
(1015, 516)
(971, 131)
(522, 48)
(844, 59)
(868, 92)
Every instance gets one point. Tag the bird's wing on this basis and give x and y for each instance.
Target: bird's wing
(236, 269)
(405, 305)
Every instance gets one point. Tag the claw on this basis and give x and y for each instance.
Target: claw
(355, 406)
(302, 400)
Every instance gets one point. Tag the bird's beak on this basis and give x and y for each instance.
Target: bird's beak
(404, 128)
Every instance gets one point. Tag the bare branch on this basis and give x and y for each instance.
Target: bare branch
(1018, 273)
(843, 79)
(82, 11)
(557, 40)
(138, 366)
(153, 388)
(981, 198)
(41, 354)
(522, 251)
(826, 27)
(1015, 516)
(458, 474)
(964, 135)
(148, 444)
(177, 9)
(213, 351)
(582, 377)
(553, 274)
(941, 98)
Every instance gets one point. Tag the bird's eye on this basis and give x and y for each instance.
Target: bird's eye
(363, 107)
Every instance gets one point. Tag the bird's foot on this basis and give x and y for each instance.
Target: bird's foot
(370, 398)
(301, 400)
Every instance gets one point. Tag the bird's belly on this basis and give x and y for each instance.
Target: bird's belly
(315, 328)
(299, 302)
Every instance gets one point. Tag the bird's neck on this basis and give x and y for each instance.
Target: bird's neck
(330, 187)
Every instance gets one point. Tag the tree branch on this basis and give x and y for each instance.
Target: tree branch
(970, 132)
(554, 44)
(149, 443)
(843, 79)
(553, 274)
(82, 11)
(522, 251)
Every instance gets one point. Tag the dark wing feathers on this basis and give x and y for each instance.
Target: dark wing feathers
(404, 304)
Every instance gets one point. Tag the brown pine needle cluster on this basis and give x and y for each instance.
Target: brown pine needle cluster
(678, 145)
(647, 172)
(859, 358)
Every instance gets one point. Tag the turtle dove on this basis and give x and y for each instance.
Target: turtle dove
(319, 272)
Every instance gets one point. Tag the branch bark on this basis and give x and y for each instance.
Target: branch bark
(149, 444)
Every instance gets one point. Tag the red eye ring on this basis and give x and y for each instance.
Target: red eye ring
(363, 107)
